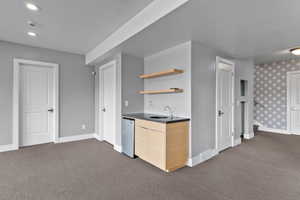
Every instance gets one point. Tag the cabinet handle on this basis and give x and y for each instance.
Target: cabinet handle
(150, 129)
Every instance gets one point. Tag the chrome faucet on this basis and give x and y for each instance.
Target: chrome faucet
(169, 109)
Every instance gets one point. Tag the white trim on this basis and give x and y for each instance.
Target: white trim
(257, 123)
(288, 78)
(119, 104)
(12, 147)
(188, 96)
(288, 111)
(118, 148)
(16, 90)
(273, 130)
(86, 137)
(149, 15)
(76, 138)
(246, 115)
(202, 157)
(15, 115)
(97, 137)
(116, 106)
(219, 60)
(249, 135)
(9, 147)
(236, 142)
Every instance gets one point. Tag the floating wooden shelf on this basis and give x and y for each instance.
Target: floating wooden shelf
(162, 73)
(175, 90)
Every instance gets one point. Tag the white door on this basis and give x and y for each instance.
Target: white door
(107, 104)
(36, 104)
(294, 102)
(225, 75)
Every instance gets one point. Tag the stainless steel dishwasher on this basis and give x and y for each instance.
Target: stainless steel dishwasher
(128, 137)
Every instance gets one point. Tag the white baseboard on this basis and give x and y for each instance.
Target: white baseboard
(11, 147)
(261, 127)
(202, 157)
(118, 148)
(257, 123)
(237, 142)
(97, 137)
(75, 138)
(249, 136)
(273, 130)
(8, 147)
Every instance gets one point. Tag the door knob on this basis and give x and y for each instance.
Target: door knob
(220, 113)
(50, 110)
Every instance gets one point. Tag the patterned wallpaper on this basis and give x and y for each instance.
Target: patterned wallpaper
(270, 91)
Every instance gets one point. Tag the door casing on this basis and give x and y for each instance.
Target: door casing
(16, 98)
(101, 101)
(222, 60)
(289, 128)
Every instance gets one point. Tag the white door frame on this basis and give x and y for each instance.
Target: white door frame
(222, 60)
(246, 115)
(288, 78)
(100, 119)
(16, 97)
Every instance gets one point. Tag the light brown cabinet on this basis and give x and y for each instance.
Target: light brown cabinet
(164, 145)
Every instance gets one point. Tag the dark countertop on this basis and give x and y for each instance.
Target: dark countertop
(146, 116)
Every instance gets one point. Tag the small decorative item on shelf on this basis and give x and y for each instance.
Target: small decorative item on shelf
(158, 74)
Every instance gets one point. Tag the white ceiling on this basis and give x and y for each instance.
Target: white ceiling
(74, 26)
(259, 29)
(243, 29)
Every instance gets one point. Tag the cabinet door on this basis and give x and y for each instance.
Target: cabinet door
(177, 145)
(157, 148)
(141, 143)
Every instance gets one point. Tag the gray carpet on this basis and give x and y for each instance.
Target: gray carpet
(265, 168)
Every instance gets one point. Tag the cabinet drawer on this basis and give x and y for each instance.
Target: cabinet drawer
(161, 127)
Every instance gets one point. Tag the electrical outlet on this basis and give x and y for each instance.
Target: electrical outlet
(126, 103)
(150, 103)
(83, 126)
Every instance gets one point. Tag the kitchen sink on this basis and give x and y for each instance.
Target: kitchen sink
(158, 117)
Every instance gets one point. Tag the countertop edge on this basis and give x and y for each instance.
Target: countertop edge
(153, 120)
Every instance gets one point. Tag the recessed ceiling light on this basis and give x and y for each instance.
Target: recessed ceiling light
(32, 6)
(32, 34)
(295, 51)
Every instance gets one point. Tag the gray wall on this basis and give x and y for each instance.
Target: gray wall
(198, 99)
(271, 92)
(203, 78)
(203, 98)
(76, 89)
(176, 57)
(132, 67)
